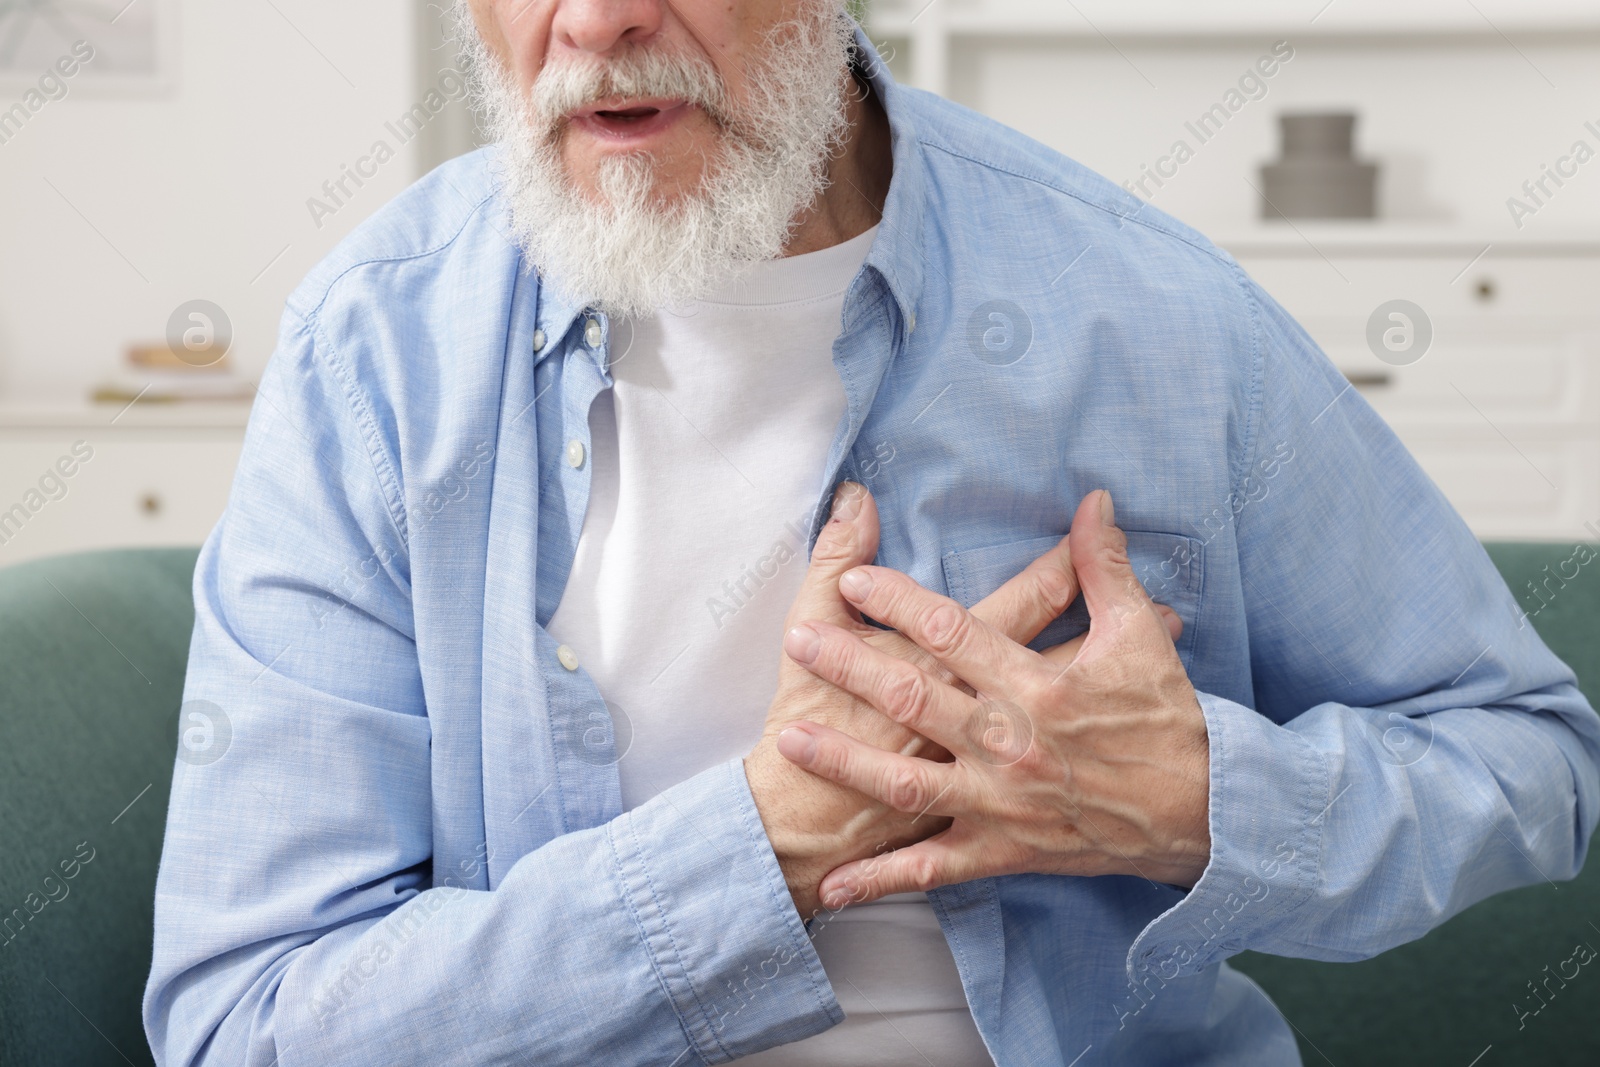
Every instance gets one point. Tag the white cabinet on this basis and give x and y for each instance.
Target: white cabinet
(936, 30)
(1503, 410)
(72, 479)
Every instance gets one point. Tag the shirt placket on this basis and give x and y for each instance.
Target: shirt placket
(581, 726)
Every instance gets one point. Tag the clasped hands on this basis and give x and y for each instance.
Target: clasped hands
(945, 750)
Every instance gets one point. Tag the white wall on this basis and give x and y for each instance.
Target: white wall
(199, 188)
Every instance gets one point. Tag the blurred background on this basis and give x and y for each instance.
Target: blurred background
(175, 168)
(1417, 181)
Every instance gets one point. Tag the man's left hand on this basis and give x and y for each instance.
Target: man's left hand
(1101, 767)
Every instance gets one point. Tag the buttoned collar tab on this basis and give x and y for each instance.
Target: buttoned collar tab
(556, 316)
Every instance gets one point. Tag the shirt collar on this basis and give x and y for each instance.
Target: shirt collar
(896, 252)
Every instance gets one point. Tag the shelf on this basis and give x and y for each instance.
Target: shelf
(935, 27)
(1379, 238)
(55, 413)
(1230, 18)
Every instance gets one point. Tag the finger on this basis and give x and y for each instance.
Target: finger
(1111, 591)
(900, 690)
(1034, 598)
(915, 786)
(1063, 654)
(1173, 621)
(849, 538)
(909, 652)
(944, 859)
(973, 650)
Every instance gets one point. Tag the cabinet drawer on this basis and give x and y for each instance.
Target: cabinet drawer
(1493, 288)
(1523, 489)
(1515, 341)
(1536, 376)
(122, 490)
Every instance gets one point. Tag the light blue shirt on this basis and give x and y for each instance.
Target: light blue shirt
(412, 847)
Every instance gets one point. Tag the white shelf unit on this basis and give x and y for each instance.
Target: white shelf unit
(155, 474)
(1503, 411)
(933, 27)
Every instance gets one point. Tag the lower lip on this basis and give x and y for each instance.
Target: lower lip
(631, 131)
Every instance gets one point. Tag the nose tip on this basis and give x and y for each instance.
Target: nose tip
(598, 26)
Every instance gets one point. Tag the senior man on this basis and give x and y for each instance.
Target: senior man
(545, 744)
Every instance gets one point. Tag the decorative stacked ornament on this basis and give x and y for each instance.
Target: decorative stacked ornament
(1319, 176)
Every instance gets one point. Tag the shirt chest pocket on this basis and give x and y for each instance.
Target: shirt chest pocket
(1168, 565)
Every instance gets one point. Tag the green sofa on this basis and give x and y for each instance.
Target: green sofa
(92, 651)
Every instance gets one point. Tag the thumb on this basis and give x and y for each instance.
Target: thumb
(848, 539)
(1111, 591)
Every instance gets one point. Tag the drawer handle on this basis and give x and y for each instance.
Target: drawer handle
(1369, 379)
(150, 504)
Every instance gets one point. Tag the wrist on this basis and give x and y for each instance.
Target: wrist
(795, 849)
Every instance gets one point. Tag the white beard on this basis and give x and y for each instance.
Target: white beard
(627, 252)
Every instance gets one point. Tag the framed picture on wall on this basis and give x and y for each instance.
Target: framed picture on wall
(110, 47)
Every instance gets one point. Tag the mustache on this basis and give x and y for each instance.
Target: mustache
(560, 90)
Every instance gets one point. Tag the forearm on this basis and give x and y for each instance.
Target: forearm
(1411, 745)
(1348, 831)
(663, 936)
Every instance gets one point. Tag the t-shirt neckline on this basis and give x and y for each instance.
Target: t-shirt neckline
(811, 276)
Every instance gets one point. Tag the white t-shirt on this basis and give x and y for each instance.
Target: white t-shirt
(708, 457)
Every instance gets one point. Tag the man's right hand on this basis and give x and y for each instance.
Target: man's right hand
(815, 825)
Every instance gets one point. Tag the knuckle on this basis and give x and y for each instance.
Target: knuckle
(831, 761)
(922, 872)
(903, 790)
(1116, 540)
(1034, 762)
(836, 544)
(1057, 587)
(837, 657)
(947, 628)
(1114, 557)
(905, 697)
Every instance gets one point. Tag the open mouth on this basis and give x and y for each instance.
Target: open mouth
(627, 115)
(630, 120)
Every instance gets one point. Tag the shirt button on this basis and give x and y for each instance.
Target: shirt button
(574, 453)
(538, 340)
(591, 333)
(568, 658)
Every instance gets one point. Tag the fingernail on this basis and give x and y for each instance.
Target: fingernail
(797, 746)
(1108, 513)
(802, 643)
(856, 584)
(847, 502)
(836, 898)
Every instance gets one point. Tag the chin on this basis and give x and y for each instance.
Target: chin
(669, 187)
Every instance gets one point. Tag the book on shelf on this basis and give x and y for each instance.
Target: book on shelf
(155, 374)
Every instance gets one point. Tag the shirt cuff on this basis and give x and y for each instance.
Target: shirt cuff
(716, 917)
(1269, 791)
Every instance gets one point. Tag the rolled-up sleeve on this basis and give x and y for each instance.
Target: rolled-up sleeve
(300, 919)
(1414, 746)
